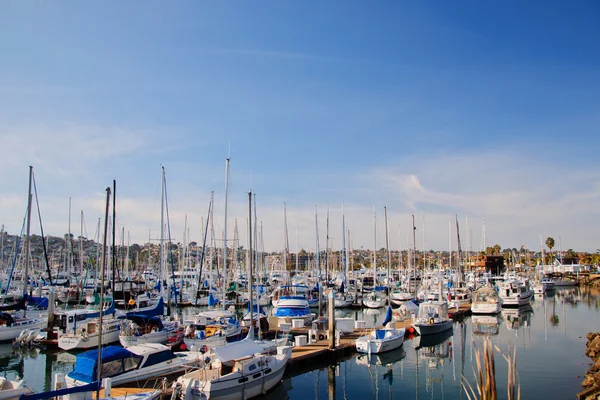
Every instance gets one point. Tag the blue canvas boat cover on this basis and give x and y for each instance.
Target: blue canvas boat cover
(292, 312)
(85, 364)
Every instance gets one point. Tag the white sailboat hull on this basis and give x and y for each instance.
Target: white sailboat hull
(152, 337)
(368, 344)
(78, 342)
(199, 385)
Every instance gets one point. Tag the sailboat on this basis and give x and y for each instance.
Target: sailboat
(86, 391)
(375, 298)
(12, 324)
(381, 340)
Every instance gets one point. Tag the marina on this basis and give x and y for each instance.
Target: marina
(424, 366)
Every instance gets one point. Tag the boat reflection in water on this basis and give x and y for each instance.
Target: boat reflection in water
(486, 324)
(278, 392)
(432, 343)
(386, 358)
(517, 317)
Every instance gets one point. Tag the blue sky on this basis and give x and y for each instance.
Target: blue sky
(440, 108)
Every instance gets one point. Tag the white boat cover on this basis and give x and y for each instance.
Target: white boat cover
(215, 314)
(235, 350)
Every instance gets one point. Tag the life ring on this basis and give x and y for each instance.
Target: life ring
(313, 336)
(131, 302)
(321, 337)
(431, 321)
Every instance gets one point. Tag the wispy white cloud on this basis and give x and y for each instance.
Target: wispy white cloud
(520, 199)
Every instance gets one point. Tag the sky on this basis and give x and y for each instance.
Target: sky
(442, 110)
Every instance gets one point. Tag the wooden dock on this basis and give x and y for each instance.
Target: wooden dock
(459, 314)
(317, 354)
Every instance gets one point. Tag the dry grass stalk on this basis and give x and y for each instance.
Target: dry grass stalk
(486, 374)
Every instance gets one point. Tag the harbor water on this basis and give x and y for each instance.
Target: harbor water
(548, 339)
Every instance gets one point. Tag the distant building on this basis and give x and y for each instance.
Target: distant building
(493, 264)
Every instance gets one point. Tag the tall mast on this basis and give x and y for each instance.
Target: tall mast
(374, 247)
(225, 232)
(327, 246)
(389, 256)
(317, 250)
(162, 236)
(285, 237)
(104, 248)
(70, 244)
(344, 256)
(114, 226)
(251, 259)
(414, 259)
(212, 242)
(27, 244)
(458, 254)
(81, 252)
(450, 246)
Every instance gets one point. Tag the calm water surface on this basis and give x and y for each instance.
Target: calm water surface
(549, 339)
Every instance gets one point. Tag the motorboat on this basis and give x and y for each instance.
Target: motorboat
(136, 363)
(293, 307)
(515, 293)
(432, 318)
(486, 301)
(459, 297)
(240, 371)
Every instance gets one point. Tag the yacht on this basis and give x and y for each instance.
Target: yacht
(486, 301)
(515, 293)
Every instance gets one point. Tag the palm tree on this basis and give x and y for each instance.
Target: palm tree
(550, 243)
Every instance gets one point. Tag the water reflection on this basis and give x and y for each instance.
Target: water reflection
(388, 358)
(516, 318)
(486, 324)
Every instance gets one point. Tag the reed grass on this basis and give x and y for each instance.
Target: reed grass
(486, 374)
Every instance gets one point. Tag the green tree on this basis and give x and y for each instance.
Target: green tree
(550, 244)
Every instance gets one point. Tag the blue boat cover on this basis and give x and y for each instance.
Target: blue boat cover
(39, 302)
(90, 387)
(292, 312)
(85, 364)
(380, 334)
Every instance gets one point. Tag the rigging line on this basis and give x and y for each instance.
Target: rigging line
(170, 247)
(37, 202)
(18, 245)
